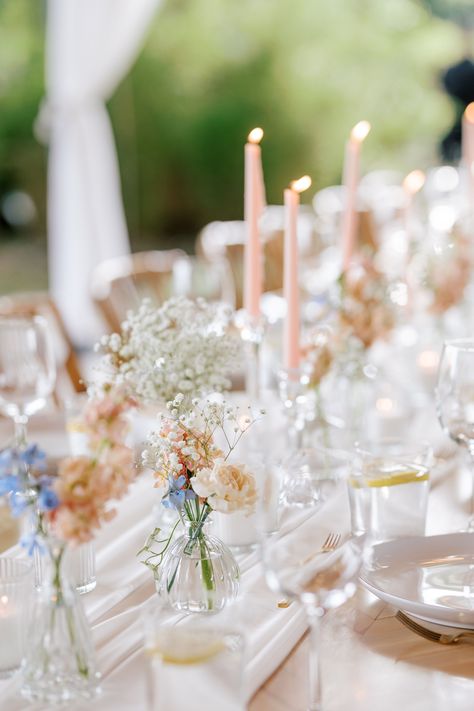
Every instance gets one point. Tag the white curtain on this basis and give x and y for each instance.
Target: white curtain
(90, 46)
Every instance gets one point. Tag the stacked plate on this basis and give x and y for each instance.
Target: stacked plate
(430, 578)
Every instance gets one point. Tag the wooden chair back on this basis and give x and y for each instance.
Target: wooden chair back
(119, 284)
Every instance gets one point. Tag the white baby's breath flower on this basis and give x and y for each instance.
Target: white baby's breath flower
(183, 346)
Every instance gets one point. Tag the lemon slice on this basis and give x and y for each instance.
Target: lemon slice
(187, 646)
(389, 476)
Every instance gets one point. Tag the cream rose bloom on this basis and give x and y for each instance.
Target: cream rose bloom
(227, 487)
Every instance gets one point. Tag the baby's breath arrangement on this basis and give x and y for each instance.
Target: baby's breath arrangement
(184, 346)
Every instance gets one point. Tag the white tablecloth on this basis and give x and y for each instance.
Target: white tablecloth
(124, 587)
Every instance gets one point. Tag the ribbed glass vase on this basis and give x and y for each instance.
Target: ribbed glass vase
(198, 572)
(60, 664)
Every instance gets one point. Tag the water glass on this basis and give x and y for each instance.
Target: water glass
(388, 488)
(27, 369)
(16, 594)
(193, 662)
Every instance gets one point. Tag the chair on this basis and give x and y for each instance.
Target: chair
(119, 284)
(223, 243)
(69, 379)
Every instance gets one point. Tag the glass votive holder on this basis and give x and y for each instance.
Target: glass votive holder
(202, 654)
(389, 487)
(16, 592)
(240, 531)
(311, 474)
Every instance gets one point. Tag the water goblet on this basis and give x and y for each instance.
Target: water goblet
(455, 399)
(299, 565)
(27, 370)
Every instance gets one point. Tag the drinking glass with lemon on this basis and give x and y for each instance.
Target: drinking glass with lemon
(388, 488)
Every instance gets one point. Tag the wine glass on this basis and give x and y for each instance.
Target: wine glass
(27, 370)
(455, 399)
(301, 563)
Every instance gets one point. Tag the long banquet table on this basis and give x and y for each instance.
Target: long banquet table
(369, 660)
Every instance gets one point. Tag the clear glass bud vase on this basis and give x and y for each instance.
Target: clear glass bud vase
(79, 563)
(198, 572)
(60, 664)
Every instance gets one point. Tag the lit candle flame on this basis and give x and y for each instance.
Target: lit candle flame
(360, 131)
(469, 112)
(414, 181)
(255, 135)
(301, 184)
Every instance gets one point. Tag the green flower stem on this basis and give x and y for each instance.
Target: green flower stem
(197, 531)
(207, 571)
(82, 667)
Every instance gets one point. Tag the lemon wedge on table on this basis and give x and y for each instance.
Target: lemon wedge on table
(389, 476)
(175, 646)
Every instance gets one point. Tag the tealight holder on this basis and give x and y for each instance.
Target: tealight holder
(16, 593)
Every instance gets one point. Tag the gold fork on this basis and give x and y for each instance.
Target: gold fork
(331, 543)
(431, 635)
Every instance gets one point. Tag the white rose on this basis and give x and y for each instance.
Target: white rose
(227, 487)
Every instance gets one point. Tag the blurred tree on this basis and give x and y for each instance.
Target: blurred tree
(305, 71)
(213, 69)
(22, 159)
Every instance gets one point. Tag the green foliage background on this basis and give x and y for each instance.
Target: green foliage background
(304, 70)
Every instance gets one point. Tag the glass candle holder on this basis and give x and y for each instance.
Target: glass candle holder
(295, 396)
(16, 592)
(252, 330)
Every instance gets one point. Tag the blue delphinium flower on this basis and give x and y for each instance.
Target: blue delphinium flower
(48, 499)
(176, 495)
(7, 460)
(33, 457)
(31, 542)
(8, 483)
(18, 503)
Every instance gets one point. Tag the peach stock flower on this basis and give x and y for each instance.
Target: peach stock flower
(85, 485)
(105, 416)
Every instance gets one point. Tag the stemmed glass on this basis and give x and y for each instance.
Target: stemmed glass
(455, 399)
(27, 370)
(299, 566)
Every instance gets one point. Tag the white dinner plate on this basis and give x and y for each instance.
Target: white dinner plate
(430, 577)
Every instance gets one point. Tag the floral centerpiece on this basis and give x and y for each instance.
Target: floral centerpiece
(365, 312)
(334, 357)
(447, 273)
(363, 315)
(196, 478)
(318, 352)
(182, 346)
(67, 508)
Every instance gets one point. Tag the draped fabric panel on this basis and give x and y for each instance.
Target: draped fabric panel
(90, 46)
